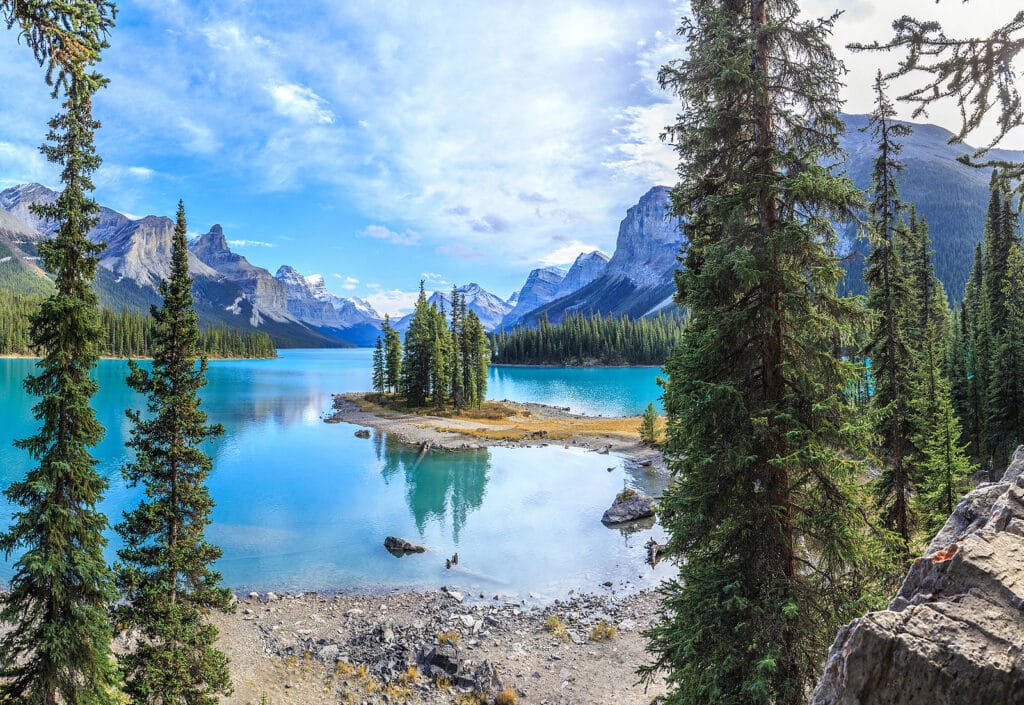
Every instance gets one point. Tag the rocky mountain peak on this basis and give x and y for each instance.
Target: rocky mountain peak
(211, 242)
(587, 267)
(649, 240)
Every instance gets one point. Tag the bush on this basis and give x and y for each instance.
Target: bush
(449, 638)
(557, 627)
(649, 426)
(603, 631)
(506, 697)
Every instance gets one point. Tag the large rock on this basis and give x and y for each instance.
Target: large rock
(954, 634)
(629, 505)
(443, 661)
(397, 545)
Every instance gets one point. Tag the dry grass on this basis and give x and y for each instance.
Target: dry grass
(506, 697)
(488, 411)
(603, 631)
(557, 627)
(449, 638)
(555, 429)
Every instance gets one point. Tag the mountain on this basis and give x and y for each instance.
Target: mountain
(353, 320)
(541, 287)
(137, 258)
(637, 280)
(587, 267)
(953, 197)
(490, 309)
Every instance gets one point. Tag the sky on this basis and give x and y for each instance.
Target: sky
(381, 143)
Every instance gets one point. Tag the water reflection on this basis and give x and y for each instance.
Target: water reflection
(439, 483)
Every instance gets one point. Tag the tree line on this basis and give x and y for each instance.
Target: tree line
(580, 339)
(444, 359)
(124, 333)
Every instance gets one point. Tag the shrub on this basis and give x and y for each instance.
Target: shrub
(506, 697)
(603, 631)
(449, 638)
(557, 627)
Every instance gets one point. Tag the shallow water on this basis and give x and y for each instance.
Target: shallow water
(304, 505)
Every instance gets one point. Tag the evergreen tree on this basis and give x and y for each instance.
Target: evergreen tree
(57, 649)
(416, 360)
(477, 359)
(764, 504)
(1005, 408)
(649, 425)
(379, 375)
(392, 356)
(977, 341)
(888, 298)
(165, 575)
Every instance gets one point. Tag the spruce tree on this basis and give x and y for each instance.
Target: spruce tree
(889, 296)
(57, 649)
(379, 372)
(764, 501)
(1005, 408)
(392, 356)
(165, 573)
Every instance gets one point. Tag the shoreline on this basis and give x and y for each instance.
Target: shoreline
(15, 356)
(533, 425)
(388, 648)
(576, 367)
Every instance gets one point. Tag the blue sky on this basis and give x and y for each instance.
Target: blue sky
(378, 143)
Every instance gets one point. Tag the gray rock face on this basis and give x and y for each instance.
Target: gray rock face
(302, 300)
(629, 506)
(397, 545)
(263, 290)
(954, 634)
(540, 288)
(638, 278)
(587, 267)
(490, 309)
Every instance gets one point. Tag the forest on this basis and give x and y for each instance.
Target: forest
(580, 340)
(126, 333)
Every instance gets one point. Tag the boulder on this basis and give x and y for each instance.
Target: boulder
(629, 505)
(443, 661)
(955, 631)
(401, 546)
(362, 433)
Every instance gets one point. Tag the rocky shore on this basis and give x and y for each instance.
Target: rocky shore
(531, 425)
(438, 647)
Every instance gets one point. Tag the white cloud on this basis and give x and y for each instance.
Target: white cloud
(250, 243)
(380, 232)
(20, 164)
(566, 254)
(300, 104)
(433, 279)
(350, 283)
(393, 301)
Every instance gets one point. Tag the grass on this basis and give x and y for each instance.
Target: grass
(449, 638)
(506, 697)
(557, 627)
(488, 411)
(603, 631)
(626, 495)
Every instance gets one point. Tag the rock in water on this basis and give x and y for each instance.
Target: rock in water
(955, 631)
(362, 433)
(629, 505)
(397, 545)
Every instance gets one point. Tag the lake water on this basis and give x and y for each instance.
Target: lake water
(304, 505)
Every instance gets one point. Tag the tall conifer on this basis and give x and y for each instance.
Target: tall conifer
(57, 649)
(764, 501)
(165, 574)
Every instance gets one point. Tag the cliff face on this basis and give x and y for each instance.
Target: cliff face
(954, 634)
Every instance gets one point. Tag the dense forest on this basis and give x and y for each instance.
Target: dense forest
(126, 333)
(443, 362)
(590, 340)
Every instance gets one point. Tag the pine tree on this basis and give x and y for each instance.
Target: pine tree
(888, 298)
(764, 504)
(379, 372)
(392, 356)
(164, 574)
(649, 425)
(58, 647)
(1005, 408)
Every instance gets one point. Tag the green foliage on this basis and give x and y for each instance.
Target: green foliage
(444, 363)
(392, 356)
(57, 649)
(649, 426)
(164, 575)
(125, 333)
(379, 372)
(579, 340)
(765, 502)
(889, 298)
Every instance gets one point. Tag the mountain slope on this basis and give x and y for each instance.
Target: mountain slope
(490, 309)
(541, 287)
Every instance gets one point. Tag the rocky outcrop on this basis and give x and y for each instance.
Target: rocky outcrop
(954, 634)
(302, 301)
(629, 505)
(587, 267)
(397, 545)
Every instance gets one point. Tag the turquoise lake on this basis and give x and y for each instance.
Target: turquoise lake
(304, 505)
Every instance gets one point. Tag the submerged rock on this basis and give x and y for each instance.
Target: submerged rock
(955, 631)
(629, 505)
(362, 433)
(401, 546)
